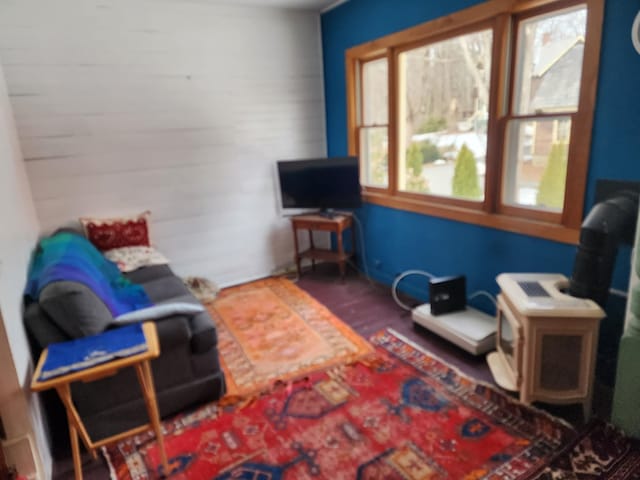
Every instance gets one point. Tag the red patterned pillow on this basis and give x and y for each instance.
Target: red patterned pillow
(108, 233)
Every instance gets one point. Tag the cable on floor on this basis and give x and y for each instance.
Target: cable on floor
(483, 293)
(403, 275)
(399, 278)
(365, 268)
(362, 248)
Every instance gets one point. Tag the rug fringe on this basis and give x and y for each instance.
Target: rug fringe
(374, 361)
(238, 401)
(107, 457)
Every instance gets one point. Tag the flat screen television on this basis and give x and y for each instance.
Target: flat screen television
(322, 183)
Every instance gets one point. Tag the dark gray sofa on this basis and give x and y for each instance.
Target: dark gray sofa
(187, 372)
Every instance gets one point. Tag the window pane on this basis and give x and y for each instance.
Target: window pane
(375, 92)
(374, 156)
(549, 62)
(444, 92)
(536, 169)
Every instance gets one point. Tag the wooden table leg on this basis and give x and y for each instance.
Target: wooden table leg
(586, 409)
(75, 449)
(149, 393)
(64, 392)
(353, 240)
(341, 263)
(312, 246)
(295, 246)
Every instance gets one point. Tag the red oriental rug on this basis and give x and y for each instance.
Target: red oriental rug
(601, 451)
(404, 415)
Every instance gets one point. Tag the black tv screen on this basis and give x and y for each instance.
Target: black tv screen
(324, 183)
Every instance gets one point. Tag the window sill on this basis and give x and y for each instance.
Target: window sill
(533, 228)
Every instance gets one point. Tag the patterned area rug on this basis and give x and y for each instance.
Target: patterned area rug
(270, 330)
(601, 451)
(402, 415)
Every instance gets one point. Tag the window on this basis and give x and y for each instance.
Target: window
(546, 91)
(476, 117)
(374, 140)
(443, 93)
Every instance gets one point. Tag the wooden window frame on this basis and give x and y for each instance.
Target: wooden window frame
(360, 125)
(503, 16)
(570, 188)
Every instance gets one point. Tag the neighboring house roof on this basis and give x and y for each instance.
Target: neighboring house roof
(559, 85)
(553, 51)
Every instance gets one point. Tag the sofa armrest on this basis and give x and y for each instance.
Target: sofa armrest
(41, 328)
(173, 331)
(197, 331)
(203, 333)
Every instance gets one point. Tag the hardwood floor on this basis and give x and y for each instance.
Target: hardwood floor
(366, 307)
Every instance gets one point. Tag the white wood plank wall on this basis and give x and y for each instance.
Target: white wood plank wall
(177, 106)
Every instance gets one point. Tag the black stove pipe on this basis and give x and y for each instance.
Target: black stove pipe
(606, 224)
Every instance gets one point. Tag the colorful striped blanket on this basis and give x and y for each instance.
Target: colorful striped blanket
(71, 257)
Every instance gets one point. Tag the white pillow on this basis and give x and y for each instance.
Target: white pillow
(159, 311)
(129, 259)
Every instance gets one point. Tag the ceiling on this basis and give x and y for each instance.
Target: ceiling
(317, 5)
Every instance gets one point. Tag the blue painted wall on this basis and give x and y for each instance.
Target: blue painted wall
(397, 240)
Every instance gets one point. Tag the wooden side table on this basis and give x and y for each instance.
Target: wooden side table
(142, 365)
(337, 225)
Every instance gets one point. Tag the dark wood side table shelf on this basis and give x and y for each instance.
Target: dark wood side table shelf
(337, 224)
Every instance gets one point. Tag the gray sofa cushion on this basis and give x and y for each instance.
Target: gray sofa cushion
(75, 309)
(146, 274)
(165, 288)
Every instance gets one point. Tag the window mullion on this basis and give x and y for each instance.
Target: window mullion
(354, 91)
(392, 59)
(542, 116)
(582, 127)
(497, 108)
(576, 172)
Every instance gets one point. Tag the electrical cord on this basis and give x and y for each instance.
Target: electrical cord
(483, 293)
(365, 268)
(394, 286)
(399, 278)
(618, 293)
